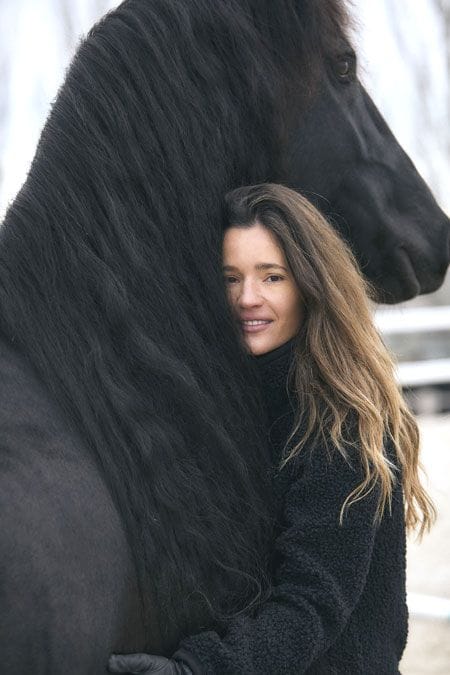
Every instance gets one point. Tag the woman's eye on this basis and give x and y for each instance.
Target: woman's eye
(231, 280)
(274, 277)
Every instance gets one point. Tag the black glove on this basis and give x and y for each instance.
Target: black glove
(146, 664)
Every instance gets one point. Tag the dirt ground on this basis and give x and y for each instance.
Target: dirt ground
(428, 648)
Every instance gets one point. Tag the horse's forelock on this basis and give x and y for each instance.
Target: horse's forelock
(304, 31)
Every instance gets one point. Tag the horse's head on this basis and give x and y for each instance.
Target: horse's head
(342, 154)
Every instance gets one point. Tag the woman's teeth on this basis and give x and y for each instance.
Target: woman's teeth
(258, 322)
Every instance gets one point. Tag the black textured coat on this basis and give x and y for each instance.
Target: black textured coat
(338, 603)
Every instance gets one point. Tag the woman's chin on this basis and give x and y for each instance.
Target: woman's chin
(260, 344)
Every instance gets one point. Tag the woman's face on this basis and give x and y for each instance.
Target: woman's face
(261, 288)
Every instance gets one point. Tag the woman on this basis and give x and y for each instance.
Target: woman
(345, 452)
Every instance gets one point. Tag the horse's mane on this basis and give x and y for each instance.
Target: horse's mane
(110, 277)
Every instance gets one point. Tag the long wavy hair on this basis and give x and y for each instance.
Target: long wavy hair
(342, 373)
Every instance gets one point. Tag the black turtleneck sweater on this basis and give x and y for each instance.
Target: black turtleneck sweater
(338, 602)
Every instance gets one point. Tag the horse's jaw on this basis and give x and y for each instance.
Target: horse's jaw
(397, 231)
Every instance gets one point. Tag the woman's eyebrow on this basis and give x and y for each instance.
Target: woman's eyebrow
(268, 266)
(258, 266)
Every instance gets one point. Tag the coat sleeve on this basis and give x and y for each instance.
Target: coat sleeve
(320, 574)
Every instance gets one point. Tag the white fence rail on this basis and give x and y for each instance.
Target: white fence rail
(429, 606)
(423, 373)
(394, 321)
(413, 320)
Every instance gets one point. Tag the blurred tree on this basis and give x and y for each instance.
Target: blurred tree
(6, 19)
(407, 70)
(37, 41)
(77, 16)
(444, 8)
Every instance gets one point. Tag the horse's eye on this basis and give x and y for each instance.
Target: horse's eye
(344, 67)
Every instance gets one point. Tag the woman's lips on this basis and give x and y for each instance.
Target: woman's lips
(255, 325)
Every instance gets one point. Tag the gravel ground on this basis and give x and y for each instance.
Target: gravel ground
(428, 648)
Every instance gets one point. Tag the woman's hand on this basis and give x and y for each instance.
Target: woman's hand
(146, 664)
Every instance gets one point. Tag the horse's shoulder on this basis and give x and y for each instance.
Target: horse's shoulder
(26, 407)
(65, 567)
(39, 450)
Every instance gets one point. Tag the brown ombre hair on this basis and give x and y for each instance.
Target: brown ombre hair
(341, 371)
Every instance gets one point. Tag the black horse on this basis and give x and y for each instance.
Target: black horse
(134, 502)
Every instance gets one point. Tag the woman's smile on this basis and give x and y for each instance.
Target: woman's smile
(255, 325)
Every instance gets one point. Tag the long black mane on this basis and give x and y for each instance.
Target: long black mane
(110, 278)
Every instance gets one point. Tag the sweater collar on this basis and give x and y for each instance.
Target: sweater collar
(282, 354)
(273, 370)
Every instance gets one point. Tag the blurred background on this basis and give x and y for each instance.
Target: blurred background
(404, 50)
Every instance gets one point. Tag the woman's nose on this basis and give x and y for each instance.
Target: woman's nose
(250, 295)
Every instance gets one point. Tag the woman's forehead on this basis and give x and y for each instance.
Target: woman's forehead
(254, 245)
